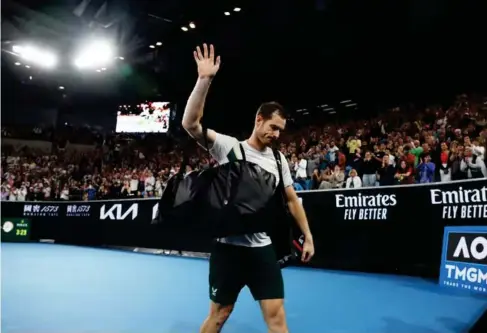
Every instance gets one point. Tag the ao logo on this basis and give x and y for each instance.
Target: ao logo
(462, 248)
(8, 226)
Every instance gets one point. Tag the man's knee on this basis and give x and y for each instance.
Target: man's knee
(274, 315)
(220, 313)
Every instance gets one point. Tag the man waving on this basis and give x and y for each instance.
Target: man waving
(246, 260)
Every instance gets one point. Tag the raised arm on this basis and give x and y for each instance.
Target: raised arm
(208, 66)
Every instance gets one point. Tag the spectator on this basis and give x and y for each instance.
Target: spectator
(386, 172)
(473, 165)
(404, 173)
(426, 169)
(301, 171)
(353, 181)
(369, 170)
(445, 163)
(334, 179)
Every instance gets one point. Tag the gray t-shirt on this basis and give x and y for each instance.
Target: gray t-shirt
(225, 149)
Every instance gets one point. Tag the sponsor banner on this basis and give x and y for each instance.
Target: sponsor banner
(391, 229)
(123, 210)
(453, 201)
(464, 259)
(78, 210)
(40, 209)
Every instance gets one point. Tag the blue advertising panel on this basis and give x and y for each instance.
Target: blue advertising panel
(464, 258)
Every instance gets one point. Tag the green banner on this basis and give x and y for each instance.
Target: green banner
(15, 229)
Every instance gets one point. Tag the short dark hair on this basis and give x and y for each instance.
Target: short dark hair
(266, 110)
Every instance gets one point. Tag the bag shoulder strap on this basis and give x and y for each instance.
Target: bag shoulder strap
(185, 161)
(242, 151)
(205, 139)
(277, 156)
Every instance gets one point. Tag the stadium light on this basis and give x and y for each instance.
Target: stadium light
(95, 54)
(36, 55)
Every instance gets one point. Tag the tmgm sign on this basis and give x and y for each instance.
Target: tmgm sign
(464, 259)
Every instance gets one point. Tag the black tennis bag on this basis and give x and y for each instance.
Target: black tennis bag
(234, 198)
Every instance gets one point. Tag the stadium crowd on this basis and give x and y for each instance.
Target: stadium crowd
(401, 146)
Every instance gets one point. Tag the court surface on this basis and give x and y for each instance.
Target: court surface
(54, 288)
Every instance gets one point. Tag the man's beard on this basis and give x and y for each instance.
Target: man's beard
(272, 143)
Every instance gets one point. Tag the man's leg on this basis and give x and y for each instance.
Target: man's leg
(274, 315)
(217, 318)
(266, 285)
(225, 282)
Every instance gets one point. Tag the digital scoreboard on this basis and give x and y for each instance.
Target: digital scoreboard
(15, 229)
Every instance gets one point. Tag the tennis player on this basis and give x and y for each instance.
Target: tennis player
(247, 260)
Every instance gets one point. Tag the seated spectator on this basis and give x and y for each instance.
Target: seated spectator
(334, 179)
(316, 178)
(353, 181)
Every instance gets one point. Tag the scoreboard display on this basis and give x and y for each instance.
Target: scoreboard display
(15, 229)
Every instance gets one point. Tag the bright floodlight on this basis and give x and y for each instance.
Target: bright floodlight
(184, 28)
(95, 54)
(35, 55)
(227, 13)
(236, 9)
(159, 43)
(18, 64)
(192, 25)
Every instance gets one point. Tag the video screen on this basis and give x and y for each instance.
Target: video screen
(150, 117)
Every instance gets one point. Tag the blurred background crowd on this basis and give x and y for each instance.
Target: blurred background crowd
(400, 146)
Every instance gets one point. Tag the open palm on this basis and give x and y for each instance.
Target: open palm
(208, 65)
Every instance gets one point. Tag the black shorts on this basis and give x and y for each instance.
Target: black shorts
(234, 267)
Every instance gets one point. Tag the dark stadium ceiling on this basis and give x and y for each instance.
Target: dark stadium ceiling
(271, 49)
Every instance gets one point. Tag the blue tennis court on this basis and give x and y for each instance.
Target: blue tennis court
(56, 288)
